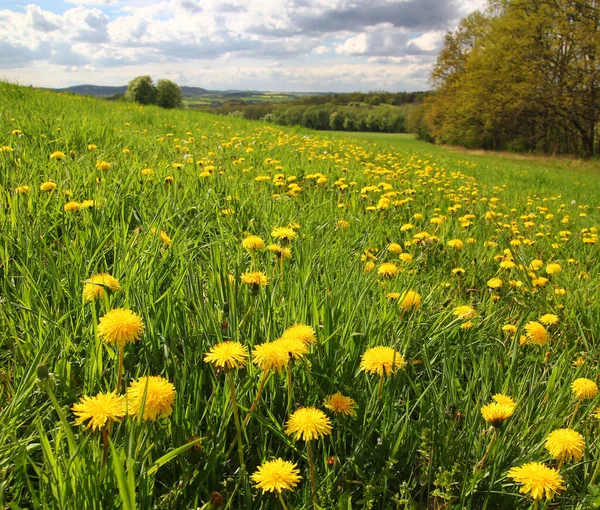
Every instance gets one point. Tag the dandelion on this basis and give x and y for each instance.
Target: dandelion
(293, 346)
(228, 355)
(584, 388)
(150, 397)
(284, 234)
(387, 269)
(309, 423)
(565, 445)
(22, 190)
(464, 312)
(549, 319)
(410, 301)
(100, 410)
(72, 206)
(340, 404)
(103, 165)
(536, 333)
(95, 286)
(253, 243)
(553, 268)
(271, 356)
(537, 480)
(381, 360)
(496, 413)
(395, 248)
(47, 186)
(120, 326)
(494, 283)
(255, 279)
(276, 475)
(456, 244)
(57, 155)
(302, 332)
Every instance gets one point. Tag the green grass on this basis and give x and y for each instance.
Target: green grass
(421, 444)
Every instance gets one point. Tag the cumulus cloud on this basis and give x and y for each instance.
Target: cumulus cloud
(272, 40)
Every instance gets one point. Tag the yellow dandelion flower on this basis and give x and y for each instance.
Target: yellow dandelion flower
(280, 251)
(395, 248)
(308, 423)
(496, 413)
(464, 312)
(549, 319)
(276, 475)
(565, 445)
(536, 333)
(509, 328)
(537, 480)
(500, 398)
(294, 346)
(584, 388)
(94, 286)
(387, 269)
(284, 234)
(100, 410)
(57, 155)
(553, 268)
(494, 283)
(381, 360)
(255, 278)
(152, 396)
(302, 332)
(120, 326)
(47, 186)
(72, 206)
(227, 355)
(103, 165)
(253, 243)
(456, 244)
(22, 190)
(410, 300)
(271, 356)
(340, 404)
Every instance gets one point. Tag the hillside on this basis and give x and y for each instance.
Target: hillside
(207, 312)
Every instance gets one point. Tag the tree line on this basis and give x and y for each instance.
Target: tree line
(522, 75)
(165, 93)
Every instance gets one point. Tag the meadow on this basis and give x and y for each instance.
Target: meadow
(208, 312)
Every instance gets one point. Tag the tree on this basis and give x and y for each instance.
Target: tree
(141, 90)
(169, 94)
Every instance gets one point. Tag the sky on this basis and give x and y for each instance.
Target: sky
(274, 45)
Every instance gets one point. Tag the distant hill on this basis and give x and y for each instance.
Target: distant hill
(102, 91)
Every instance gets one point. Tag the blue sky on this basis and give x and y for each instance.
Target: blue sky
(279, 45)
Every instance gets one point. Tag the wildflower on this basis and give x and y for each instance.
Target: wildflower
(57, 155)
(458, 271)
(406, 257)
(285, 234)
(494, 283)
(47, 186)
(302, 332)
(387, 269)
(341, 223)
(280, 251)
(72, 206)
(496, 413)
(294, 346)
(537, 480)
(382, 360)
(395, 248)
(255, 279)
(584, 388)
(464, 312)
(456, 243)
(169, 179)
(509, 328)
(276, 475)
(120, 326)
(308, 423)
(536, 333)
(152, 396)
(100, 410)
(227, 355)
(553, 268)
(565, 445)
(340, 404)
(549, 319)
(253, 243)
(271, 356)
(22, 190)
(92, 147)
(94, 286)
(410, 300)
(103, 165)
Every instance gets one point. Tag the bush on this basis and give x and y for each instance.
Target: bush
(141, 90)
(169, 94)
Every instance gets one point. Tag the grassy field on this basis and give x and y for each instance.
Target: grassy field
(475, 274)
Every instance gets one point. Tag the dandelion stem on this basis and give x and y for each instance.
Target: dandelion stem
(595, 474)
(281, 262)
(236, 416)
(311, 467)
(574, 413)
(120, 369)
(283, 505)
(481, 463)
(290, 386)
(263, 382)
(380, 391)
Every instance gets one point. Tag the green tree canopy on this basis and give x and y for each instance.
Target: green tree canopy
(169, 94)
(141, 90)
